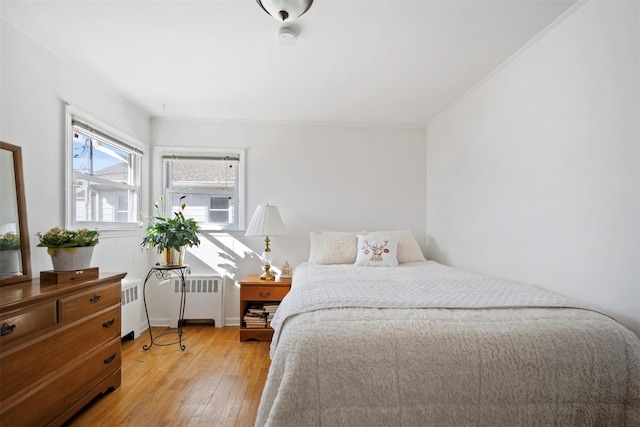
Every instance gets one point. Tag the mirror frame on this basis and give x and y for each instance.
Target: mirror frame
(25, 250)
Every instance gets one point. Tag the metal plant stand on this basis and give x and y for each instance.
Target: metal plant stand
(164, 273)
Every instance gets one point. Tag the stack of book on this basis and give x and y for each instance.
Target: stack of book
(255, 316)
(270, 310)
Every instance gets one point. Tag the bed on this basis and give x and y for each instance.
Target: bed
(421, 344)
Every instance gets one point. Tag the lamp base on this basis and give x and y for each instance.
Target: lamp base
(267, 275)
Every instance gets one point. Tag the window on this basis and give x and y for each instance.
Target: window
(212, 184)
(104, 175)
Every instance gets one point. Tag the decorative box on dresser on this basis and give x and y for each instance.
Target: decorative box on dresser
(59, 348)
(252, 289)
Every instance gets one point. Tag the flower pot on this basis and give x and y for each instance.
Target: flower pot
(68, 259)
(172, 257)
(10, 262)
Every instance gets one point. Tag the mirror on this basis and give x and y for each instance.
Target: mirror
(14, 237)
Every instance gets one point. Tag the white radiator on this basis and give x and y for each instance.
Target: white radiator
(131, 306)
(204, 296)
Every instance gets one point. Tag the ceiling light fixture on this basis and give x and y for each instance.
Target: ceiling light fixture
(285, 10)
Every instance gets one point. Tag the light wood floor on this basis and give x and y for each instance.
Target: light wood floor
(216, 381)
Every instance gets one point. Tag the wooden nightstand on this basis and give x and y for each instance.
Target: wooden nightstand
(254, 290)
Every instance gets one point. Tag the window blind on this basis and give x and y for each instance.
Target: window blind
(232, 158)
(94, 133)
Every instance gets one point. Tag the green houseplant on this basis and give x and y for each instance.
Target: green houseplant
(69, 249)
(170, 235)
(9, 241)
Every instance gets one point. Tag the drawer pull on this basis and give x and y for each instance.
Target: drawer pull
(6, 329)
(265, 295)
(110, 359)
(95, 298)
(108, 323)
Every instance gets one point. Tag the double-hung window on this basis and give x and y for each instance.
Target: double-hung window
(212, 184)
(105, 178)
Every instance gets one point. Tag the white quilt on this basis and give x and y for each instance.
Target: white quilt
(424, 344)
(412, 285)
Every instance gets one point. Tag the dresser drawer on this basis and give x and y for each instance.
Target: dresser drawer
(85, 303)
(22, 325)
(24, 367)
(53, 397)
(263, 293)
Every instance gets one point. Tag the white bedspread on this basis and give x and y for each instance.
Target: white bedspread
(412, 285)
(357, 346)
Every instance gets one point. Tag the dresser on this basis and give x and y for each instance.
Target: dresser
(254, 290)
(59, 348)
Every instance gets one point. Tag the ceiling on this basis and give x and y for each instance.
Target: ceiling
(357, 62)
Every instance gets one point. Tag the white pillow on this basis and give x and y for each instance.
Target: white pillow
(332, 247)
(379, 251)
(408, 248)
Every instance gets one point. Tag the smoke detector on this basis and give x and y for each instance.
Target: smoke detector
(287, 37)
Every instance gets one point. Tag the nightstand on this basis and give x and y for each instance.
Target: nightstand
(252, 291)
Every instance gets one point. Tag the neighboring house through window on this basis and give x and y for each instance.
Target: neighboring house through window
(103, 189)
(213, 183)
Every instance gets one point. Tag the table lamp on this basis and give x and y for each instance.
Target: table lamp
(266, 222)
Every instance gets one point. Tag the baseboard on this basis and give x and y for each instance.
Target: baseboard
(231, 321)
(164, 321)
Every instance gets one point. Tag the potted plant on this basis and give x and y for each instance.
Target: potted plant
(69, 249)
(171, 235)
(9, 241)
(9, 254)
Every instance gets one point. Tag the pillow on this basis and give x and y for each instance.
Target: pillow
(408, 248)
(332, 247)
(379, 251)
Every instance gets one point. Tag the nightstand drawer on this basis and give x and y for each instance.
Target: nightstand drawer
(263, 293)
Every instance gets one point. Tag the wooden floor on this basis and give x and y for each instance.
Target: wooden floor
(216, 381)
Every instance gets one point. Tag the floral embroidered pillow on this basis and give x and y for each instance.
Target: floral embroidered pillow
(377, 251)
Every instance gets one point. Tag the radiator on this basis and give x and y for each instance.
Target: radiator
(204, 297)
(131, 308)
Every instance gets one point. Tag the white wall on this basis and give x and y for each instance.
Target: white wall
(34, 87)
(320, 177)
(534, 175)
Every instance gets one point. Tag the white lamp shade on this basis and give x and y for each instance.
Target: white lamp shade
(266, 221)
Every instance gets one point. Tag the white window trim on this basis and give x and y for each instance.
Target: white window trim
(73, 113)
(158, 185)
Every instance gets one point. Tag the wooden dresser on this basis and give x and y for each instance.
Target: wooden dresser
(59, 348)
